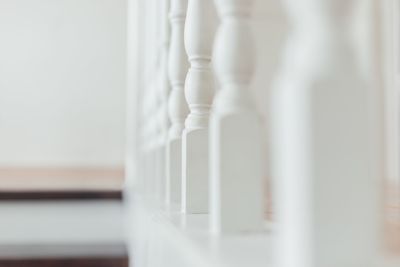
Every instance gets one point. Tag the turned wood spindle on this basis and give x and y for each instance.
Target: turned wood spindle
(236, 197)
(199, 90)
(177, 106)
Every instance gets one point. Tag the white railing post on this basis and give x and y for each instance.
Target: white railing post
(236, 197)
(199, 91)
(326, 144)
(163, 91)
(146, 137)
(178, 109)
(151, 136)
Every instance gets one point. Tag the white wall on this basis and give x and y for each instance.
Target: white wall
(62, 82)
(29, 229)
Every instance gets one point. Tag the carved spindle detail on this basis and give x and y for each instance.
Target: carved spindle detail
(199, 90)
(199, 36)
(236, 197)
(178, 67)
(178, 109)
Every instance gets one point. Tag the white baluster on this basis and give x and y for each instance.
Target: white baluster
(163, 91)
(199, 90)
(327, 154)
(178, 109)
(152, 136)
(145, 124)
(236, 202)
(157, 148)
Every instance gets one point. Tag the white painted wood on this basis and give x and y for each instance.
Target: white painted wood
(135, 61)
(236, 197)
(172, 239)
(200, 28)
(178, 109)
(306, 122)
(150, 133)
(162, 109)
(185, 240)
(327, 154)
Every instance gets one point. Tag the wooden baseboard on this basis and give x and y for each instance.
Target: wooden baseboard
(74, 255)
(67, 262)
(38, 195)
(61, 183)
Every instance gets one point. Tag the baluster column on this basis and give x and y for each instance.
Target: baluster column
(163, 92)
(152, 135)
(327, 147)
(236, 202)
(199, 90)
(178, 109)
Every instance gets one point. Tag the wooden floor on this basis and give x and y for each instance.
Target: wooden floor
(60, 183)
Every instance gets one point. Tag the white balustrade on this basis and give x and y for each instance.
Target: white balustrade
(164, 81)
(199, 91)
(178, 109)
(236, 197)
(162, 108)
(207, 152)
(150, 136)
(144, 125)
(327, 154)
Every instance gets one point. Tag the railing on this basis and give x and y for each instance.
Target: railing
(231, 119)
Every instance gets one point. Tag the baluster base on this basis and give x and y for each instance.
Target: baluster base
(236, 179)
(195, 171)
(174, 171)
